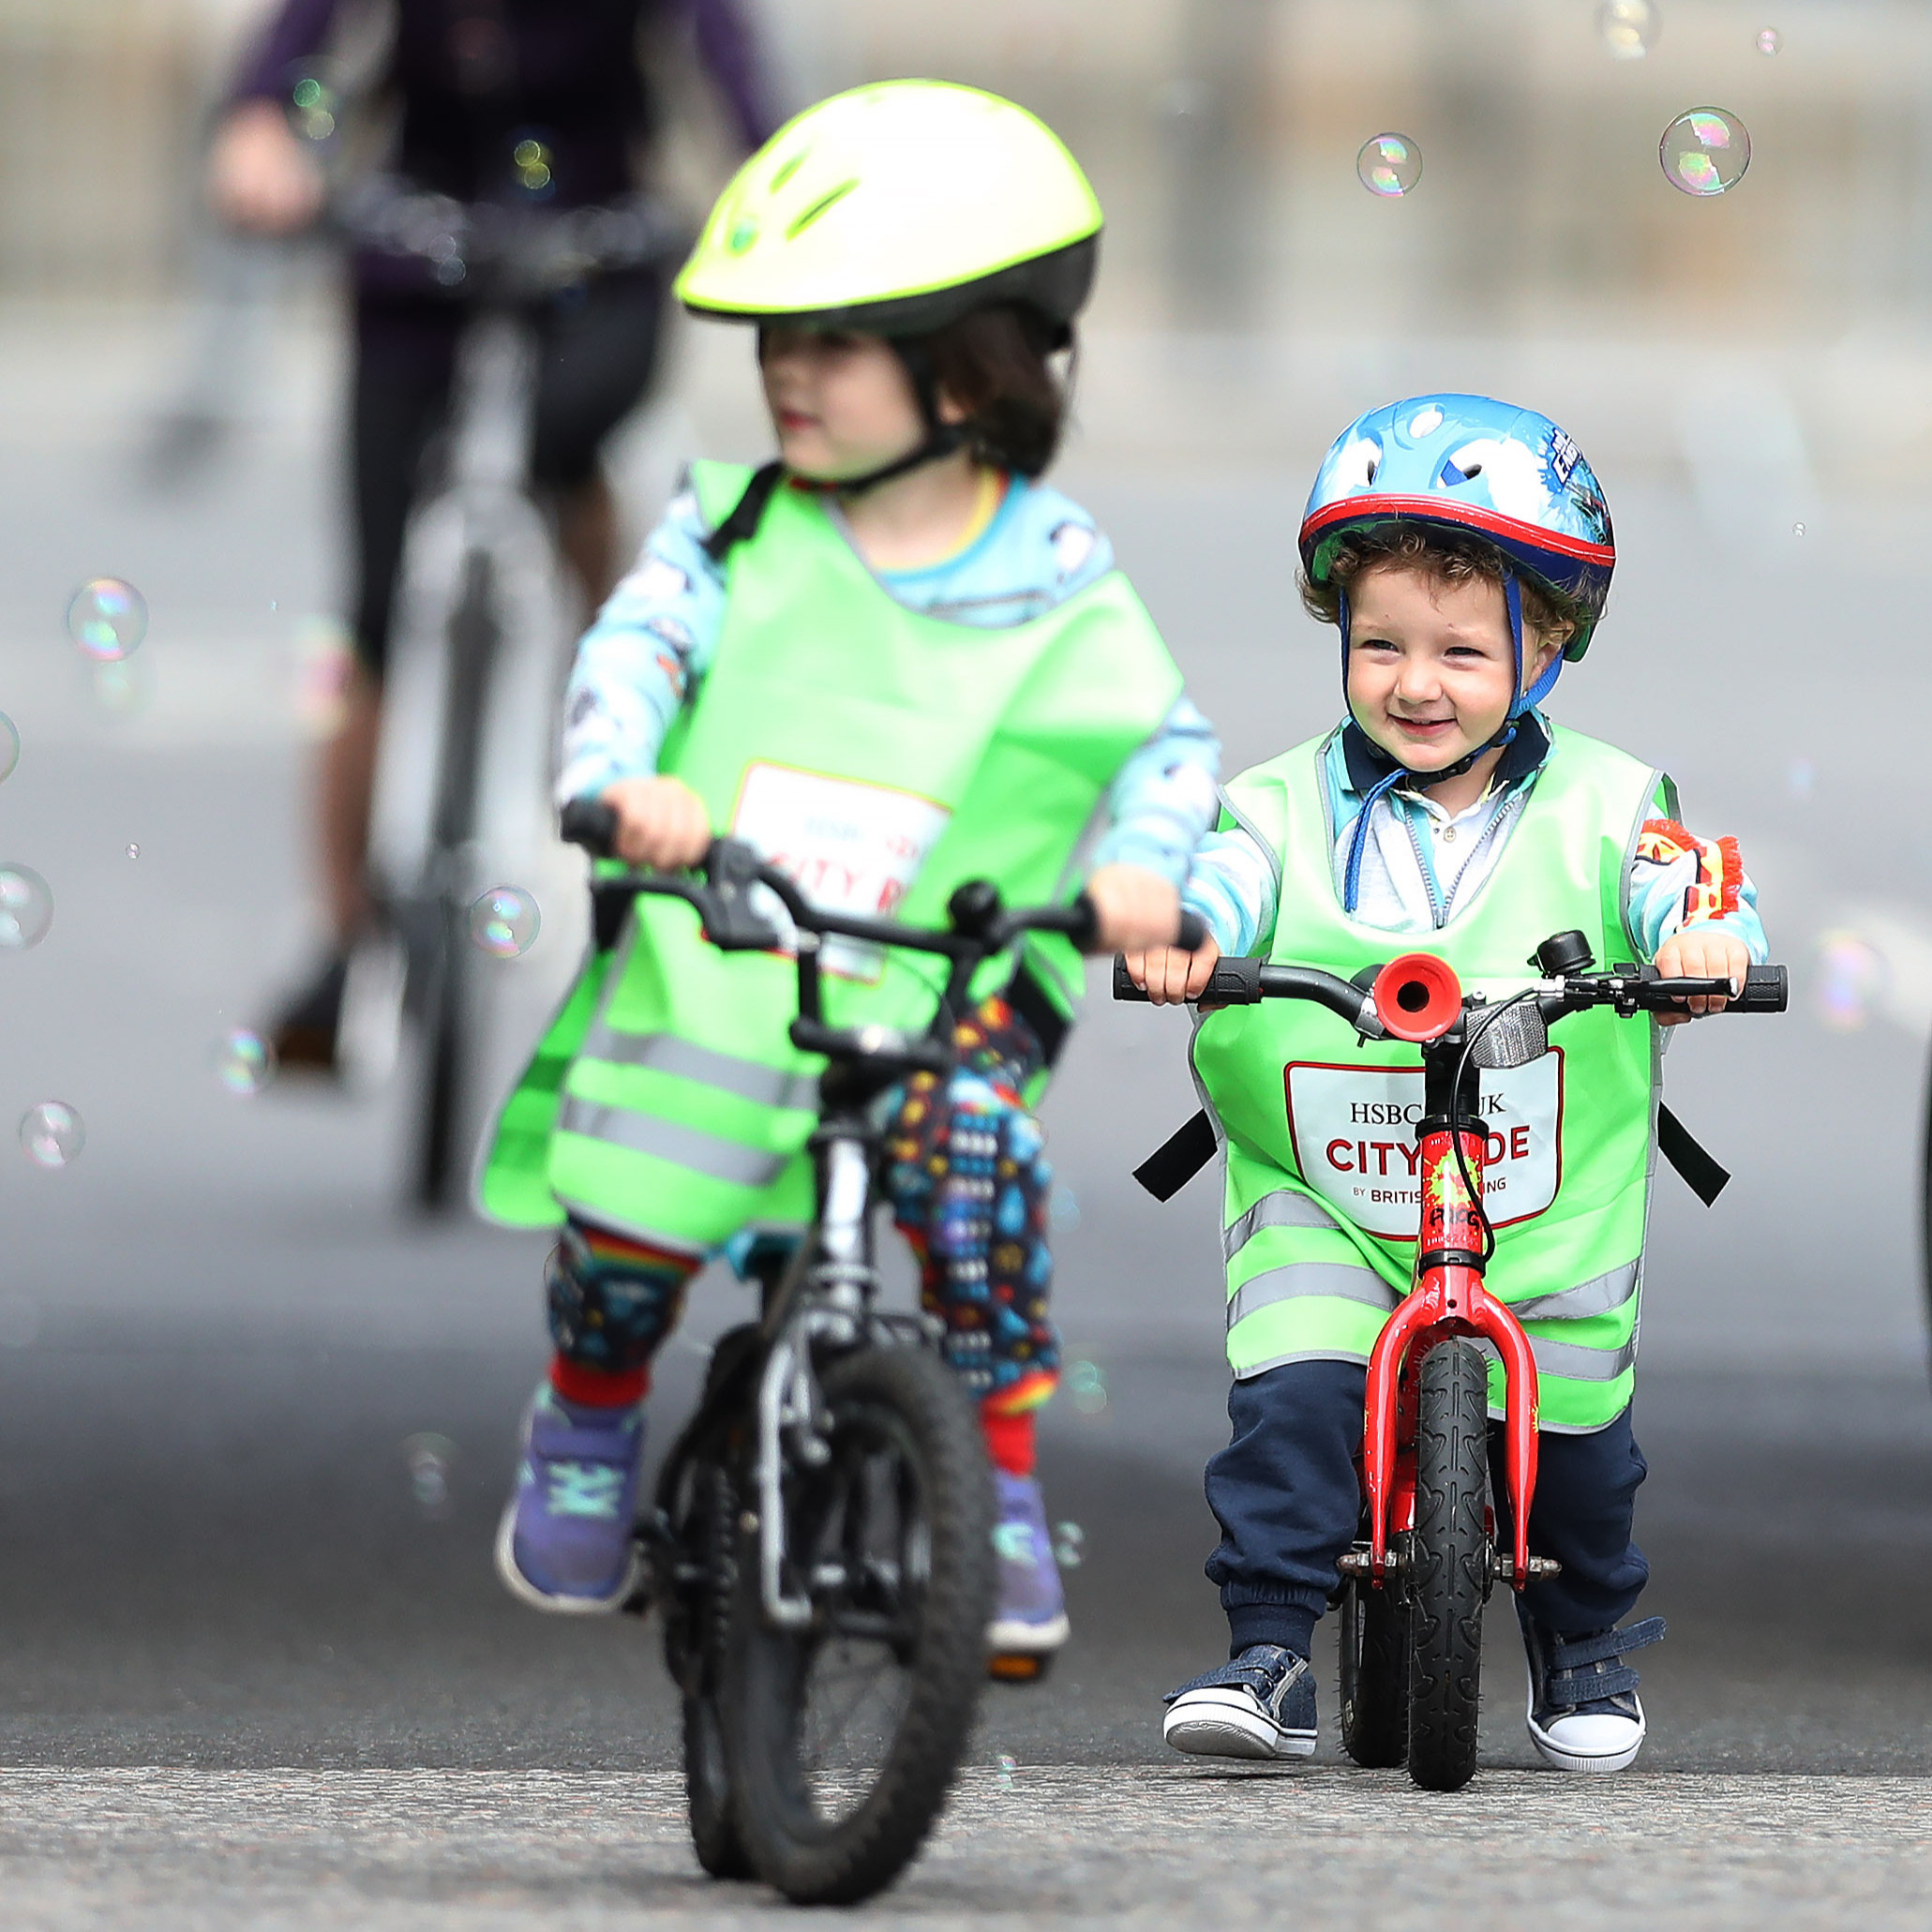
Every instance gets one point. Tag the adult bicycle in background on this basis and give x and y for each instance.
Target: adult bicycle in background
(505, 112)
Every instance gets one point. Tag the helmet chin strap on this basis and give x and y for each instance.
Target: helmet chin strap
(1420, 781)
(939, 440)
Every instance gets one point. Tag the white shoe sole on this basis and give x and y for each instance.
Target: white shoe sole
(521, 1587)
(1012, 1637)
(1223, 1724)
(1562, 1757)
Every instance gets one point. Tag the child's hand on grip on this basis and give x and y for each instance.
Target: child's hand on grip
(1168, 976)
(1136, 907)
(660, 822)
(1700, 953)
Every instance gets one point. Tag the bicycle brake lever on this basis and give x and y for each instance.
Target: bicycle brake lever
(731, 922)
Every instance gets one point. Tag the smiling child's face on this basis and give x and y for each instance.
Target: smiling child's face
(1432, 671)
(842, 405)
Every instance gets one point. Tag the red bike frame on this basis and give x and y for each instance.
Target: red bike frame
(1419, 999)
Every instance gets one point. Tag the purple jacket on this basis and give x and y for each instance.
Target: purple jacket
(474, 77)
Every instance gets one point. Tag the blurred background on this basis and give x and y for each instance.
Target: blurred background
(255, 1419)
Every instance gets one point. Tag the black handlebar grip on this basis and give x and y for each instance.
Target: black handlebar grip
(1192, 933)
(1124, 987)
(1767, 990)
(590, 823)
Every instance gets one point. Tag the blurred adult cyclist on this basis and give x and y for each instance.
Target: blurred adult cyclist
(494, 100)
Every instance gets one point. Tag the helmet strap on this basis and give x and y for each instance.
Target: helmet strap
(940, 439)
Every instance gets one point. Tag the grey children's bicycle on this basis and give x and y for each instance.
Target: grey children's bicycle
(820, 1541)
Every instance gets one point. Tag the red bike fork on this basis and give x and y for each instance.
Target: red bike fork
(1447, 1298)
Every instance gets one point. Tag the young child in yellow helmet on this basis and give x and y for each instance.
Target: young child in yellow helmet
(891, 659)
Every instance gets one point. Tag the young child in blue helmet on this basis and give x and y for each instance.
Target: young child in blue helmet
(1463, 549)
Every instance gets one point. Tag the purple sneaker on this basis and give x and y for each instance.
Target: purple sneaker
(564, 1543)
(1031, 1618)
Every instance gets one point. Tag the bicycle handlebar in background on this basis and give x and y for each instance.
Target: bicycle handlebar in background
(978, 924)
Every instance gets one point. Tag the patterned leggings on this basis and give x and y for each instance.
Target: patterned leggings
(969, 1184)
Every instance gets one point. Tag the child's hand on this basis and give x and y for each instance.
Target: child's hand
(660, 822)
(1136, 907)
(1701, 953)
(1168, 976)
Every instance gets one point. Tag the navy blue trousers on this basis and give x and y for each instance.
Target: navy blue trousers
(1288, 1498)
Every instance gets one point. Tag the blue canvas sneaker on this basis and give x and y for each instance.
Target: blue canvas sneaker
(1262, 1704)
(1584, 1713)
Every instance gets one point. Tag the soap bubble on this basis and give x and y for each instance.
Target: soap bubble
(9, 746)
(52, 1133)
(429, 1459)
(1069, 1544)
(325, 669)
(107, 619)
(1007, 1765)
(1389, 165)
(26, 907)
(123, 689)
(244, 1061)
(1628, 28)
(1705, 152)
(1064, 1208)
(134, 852)
(1850, 977)
(504, 922)
(1769, 40)
(1797, 530)
(1086, 1386)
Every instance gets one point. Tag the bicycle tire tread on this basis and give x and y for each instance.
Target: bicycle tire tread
(1447, 1571)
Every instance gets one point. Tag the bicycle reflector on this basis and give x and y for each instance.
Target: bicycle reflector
(1419, 997)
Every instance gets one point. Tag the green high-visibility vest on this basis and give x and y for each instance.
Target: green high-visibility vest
(884, 758)
(1318, 1132)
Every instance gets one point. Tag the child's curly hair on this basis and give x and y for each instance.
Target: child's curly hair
(1445, 557)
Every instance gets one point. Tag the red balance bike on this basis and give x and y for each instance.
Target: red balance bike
(1412, 1588)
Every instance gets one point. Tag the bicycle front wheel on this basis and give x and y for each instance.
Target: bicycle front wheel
(1448, 1567)
(846, 1732)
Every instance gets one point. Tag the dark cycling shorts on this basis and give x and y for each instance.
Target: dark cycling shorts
(596, 352)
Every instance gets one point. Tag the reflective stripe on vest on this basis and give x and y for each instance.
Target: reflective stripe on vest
(1299, 1278)
(1286, 1207)
(1603, 1296)
(638, 1133)
(664, 1052)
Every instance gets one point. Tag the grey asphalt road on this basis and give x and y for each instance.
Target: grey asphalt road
(253, 1670)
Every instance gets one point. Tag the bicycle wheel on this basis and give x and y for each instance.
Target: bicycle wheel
(1447, 1566)
(708, 1794)
(1374, 1674)
(448, 964)
(846, 1734)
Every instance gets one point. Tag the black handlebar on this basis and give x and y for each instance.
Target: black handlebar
(980, 928)
(1629, 989)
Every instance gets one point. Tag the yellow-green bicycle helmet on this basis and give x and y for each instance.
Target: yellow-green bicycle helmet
(896, 209)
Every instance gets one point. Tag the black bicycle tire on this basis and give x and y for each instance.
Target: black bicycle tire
(710, 1798)
(1374, 1688)
(812, 1862)
(1448, 1567)
(1925, 1215)
(472, 639)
